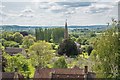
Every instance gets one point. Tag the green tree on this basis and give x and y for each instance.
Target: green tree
(84, 41)
(118, 58)
(105, 54)
(10, 44)
(79, 40)
(54, 34)
(39, 33)
(20, 62)
(8, 36)
(28, 41)
(40, 53)
(68, 48)
(58, 34)
(1, 46)
(89, 49)
(92, 34)
(18, 37)
(60, 63)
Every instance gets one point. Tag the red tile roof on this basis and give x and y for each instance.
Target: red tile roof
(46, 73)
(72, 73)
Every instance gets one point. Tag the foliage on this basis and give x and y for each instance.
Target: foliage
(79, 40)
(50, 35)
(40, 53)
(8, 36)
(118, 58)
(105, 57)
(60, 63)
(1, 46)
(84, 41)
(57, 34)
(18, 37)
(68, 48)
(10, 44)
(105, 54)
(54, 46)
(92, 34)
(24, 33)
(73, 38)
(89, 49)
(28, 41)
(2, 40)
(21, 63)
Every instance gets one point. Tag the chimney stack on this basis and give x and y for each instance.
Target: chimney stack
(86, 70)
(86, 73)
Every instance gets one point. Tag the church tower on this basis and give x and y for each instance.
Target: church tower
(66, 36)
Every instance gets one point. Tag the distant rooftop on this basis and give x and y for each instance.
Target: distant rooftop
(76, 72)
(12, 51)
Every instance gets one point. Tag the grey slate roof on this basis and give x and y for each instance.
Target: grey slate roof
(12, 51)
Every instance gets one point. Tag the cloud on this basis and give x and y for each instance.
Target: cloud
(66, 8)
(99, 7)
(43, 5)
(54, 13)
(26, 16)
(52, 7)
(27, 13)
(1, 5)
(59, 0)
(74, 4)
(3, 14)
(28, 10)
(57, 9)
(70, 8)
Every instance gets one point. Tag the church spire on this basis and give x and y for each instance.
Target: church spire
(66, 31)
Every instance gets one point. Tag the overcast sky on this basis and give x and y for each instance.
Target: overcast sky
(55, 12)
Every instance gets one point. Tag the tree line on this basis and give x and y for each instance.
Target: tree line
(50, 35)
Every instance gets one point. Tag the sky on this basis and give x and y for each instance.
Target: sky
(55, 12)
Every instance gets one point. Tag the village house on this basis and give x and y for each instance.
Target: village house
(12, 51)
(12, 75)
(75, 73)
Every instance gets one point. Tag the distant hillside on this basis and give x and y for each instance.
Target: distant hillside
(32, 28)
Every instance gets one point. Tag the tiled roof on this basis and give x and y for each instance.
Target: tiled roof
(46, 73)
(10, 75)
(7, 74)
(11, 50)
(61, 73)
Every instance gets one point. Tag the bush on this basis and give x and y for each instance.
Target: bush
(10, 44)
(68, 48)
(8, 36)
(28, 41)
(89, 49)
(60, 63)
(20, 62)
(40, 53)
(18, 37)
